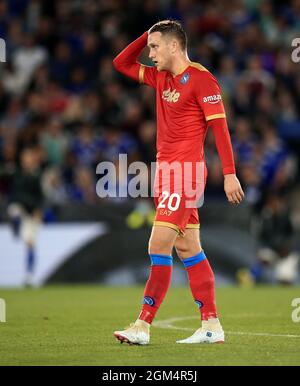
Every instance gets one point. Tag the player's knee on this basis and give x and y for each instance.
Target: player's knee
(157, 247)
(185, 250)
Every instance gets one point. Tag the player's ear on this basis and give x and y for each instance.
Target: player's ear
(174, 46)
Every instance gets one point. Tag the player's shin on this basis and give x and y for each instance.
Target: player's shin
(157, 286)
(202, 284)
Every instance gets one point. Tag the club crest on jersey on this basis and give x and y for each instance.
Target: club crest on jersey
(185, 78)
(149, 301)
(170, 96)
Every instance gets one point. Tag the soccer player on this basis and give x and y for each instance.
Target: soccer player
(188, 104)
(25, 209)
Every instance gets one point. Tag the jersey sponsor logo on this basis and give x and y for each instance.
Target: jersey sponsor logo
(212, 99)
(164, 212)
(149, 301)
(185, 78)
(171, 96)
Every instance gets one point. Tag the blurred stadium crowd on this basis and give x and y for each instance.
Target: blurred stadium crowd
(60, 95)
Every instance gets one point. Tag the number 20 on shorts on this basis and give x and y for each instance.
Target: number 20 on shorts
(172, 201)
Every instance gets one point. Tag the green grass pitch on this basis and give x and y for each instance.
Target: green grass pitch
(73, 325)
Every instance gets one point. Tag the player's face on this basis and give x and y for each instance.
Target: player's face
(160, 51)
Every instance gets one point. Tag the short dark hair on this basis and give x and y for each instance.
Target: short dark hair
(171, 27)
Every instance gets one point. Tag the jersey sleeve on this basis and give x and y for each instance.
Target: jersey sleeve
(148, 75)
(223, 143)
(127, 62)
(209, 97)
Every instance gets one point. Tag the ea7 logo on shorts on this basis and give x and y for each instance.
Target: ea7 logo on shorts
(149, 301)
(212, 99)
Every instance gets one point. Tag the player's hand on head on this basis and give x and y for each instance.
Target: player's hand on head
(233, 189)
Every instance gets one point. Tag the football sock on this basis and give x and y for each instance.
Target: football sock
(202, 284)
(157, 286)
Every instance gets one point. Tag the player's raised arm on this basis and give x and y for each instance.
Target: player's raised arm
(127, 62)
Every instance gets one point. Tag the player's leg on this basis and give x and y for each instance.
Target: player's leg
(160, 250)
(29, 230)
(202, 284)
(15, 213)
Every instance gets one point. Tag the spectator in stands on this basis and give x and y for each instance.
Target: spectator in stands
(59, 68)
(275, 237)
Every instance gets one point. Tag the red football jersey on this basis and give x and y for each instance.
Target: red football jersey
(184, 105)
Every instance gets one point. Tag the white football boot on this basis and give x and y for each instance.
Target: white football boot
(137, 333)
(210, 332)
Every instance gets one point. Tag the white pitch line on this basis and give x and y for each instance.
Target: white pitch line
(169, 324)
